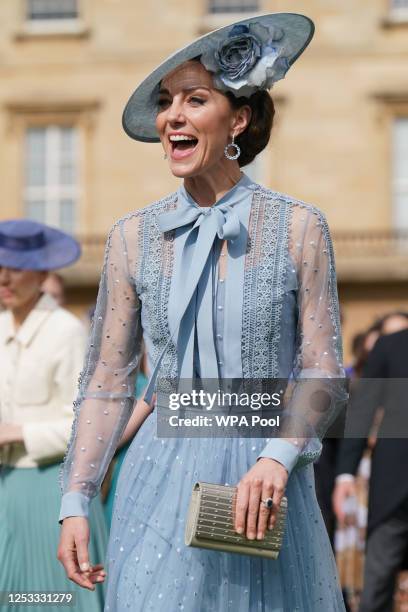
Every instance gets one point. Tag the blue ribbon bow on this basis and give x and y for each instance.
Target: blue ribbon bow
(195, 321)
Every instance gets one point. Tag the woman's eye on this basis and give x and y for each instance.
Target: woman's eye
(197, 100)
(163, 103)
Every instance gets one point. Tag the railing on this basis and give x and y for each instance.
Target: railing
(367, 243)
(92, 248)
(362, 243)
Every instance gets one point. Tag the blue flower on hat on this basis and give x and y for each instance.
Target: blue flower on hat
(248, 59)
(238, 53)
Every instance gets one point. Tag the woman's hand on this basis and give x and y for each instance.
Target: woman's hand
(9, 433)
(267, 478)
(73, 553)
(343, 491)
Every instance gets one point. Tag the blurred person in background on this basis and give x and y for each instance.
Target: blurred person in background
(357, 350)
(324, 468)
(362, 345)
(349, 537)
(394, 322)
(387, 522)
(54, 285)
(41, 353)
(326, 465)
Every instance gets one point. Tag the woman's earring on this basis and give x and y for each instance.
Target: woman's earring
(165, 156)
(235, 146)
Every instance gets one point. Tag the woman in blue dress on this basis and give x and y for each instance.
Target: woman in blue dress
(224, 279)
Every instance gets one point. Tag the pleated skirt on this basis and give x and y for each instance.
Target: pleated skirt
(29, 535)
(149, 567)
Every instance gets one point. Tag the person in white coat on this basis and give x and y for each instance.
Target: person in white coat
(41, 353)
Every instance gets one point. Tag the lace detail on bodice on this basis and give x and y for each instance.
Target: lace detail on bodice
(154, 280)
(286, 232)
(265, 264)
(283, 234)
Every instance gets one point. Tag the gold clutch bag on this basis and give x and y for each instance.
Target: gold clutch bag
(210, 523)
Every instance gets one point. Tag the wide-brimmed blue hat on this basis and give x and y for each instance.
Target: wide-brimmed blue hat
(29, 245)
(244, 57)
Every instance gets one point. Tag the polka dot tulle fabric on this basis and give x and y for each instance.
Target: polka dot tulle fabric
(272, 285)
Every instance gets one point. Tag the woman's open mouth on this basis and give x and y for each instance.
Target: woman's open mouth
(182, 145)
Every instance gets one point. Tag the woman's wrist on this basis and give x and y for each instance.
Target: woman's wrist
(10, 433)
(269, 459)
(282, 451)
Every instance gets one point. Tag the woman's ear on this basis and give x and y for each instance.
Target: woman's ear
(242, 118)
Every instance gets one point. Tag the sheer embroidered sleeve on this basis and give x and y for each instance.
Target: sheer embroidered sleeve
(106, 388)
(317, 391)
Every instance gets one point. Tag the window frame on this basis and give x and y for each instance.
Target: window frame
(49, 28)
(81, 113)
(398, 185)
(235, 10)
(394, 15)
(390, 106)
(53, 191)
(29, 12)
(393, 6)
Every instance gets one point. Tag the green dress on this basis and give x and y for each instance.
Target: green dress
(29, 536)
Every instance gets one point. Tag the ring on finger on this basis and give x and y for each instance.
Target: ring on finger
(268, 503)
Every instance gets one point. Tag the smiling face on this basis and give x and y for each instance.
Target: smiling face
(195, 121)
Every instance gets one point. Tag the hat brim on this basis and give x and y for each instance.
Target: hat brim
(139, 116)
(60, 250)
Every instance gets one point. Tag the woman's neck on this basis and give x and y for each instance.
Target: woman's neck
(209, 187)
(20, 313)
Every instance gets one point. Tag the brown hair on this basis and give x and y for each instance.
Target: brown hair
(256, 135)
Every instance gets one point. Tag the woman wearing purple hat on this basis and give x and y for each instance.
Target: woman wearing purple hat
(41, 353)
(225, 279)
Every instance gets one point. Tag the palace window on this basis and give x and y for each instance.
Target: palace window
(398, 11)
(400, 172)
(51, 175)
(233, 6)
(51, 9)
(397, 5)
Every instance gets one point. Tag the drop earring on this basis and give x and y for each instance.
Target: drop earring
(235, 146)
(165, 156)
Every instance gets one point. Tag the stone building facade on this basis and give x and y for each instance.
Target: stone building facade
(340, 139)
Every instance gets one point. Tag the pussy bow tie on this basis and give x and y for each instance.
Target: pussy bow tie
(193, 281)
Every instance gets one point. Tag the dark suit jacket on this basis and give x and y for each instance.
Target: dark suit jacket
(389, 481)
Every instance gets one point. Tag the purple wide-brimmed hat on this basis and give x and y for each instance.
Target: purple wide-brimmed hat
(29, 245)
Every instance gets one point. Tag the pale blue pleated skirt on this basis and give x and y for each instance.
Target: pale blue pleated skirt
(29, 534)
(151, 570)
